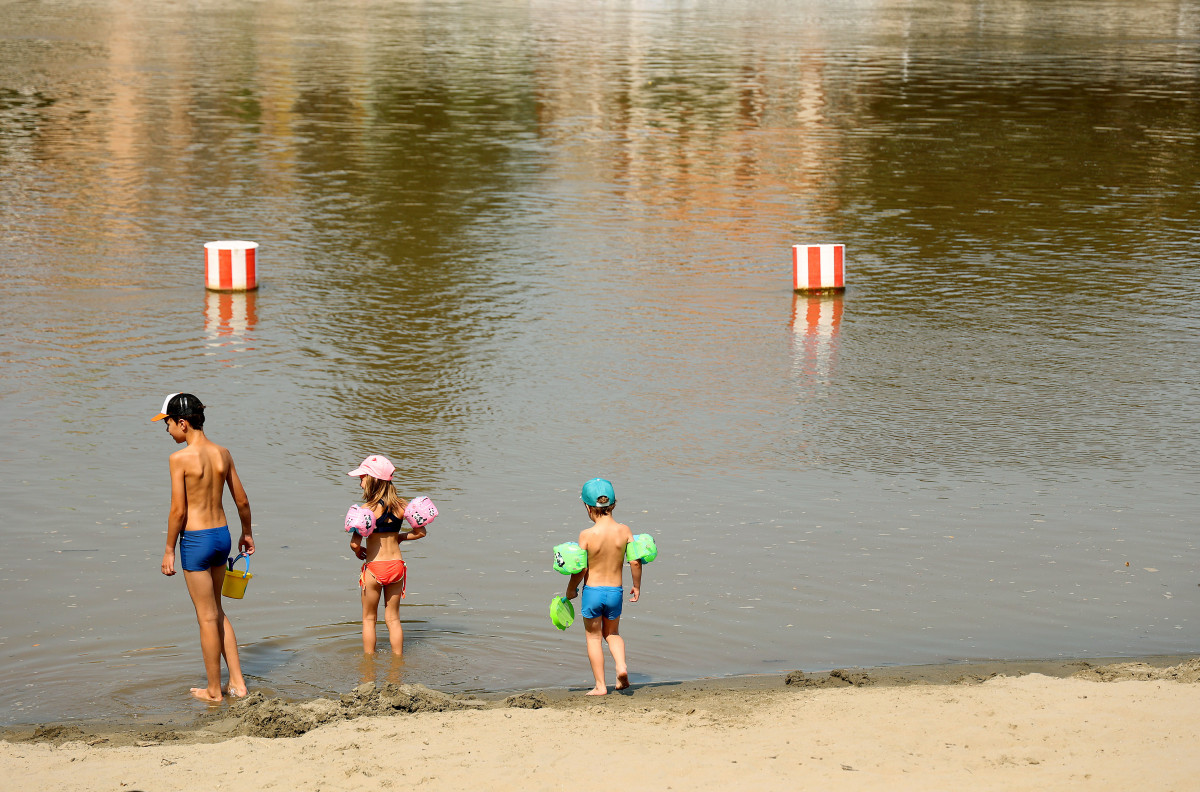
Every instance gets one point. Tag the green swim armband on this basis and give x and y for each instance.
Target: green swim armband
(569, 558)
(642, 549)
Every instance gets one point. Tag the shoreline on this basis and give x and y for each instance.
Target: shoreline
(279, 717)
(979, 726)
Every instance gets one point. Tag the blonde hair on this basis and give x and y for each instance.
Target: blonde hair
(384, 493)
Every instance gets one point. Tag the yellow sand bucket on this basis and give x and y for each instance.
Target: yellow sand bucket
(234, 586)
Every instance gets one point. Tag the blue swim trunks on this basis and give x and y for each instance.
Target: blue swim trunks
(602, 601)
(201, 550)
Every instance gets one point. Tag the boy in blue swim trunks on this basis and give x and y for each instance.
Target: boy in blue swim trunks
(603, 580)
(199, 474)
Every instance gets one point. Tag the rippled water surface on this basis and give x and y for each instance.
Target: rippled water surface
(517, 245)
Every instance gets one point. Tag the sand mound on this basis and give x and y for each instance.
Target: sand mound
(836, 678)
(1188, 671)
(57, 734)
(259, 716)
(530, 700)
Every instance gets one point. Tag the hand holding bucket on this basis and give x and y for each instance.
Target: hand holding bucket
(234, 586)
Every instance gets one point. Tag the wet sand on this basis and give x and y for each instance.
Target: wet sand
(1002, 725)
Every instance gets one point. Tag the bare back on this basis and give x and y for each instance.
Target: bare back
(605, 544)
(383, 546)
(199, 474)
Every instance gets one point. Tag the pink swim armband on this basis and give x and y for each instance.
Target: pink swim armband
(360, 520)
(420, 512)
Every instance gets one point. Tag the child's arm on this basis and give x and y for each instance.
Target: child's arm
(356, 540)
(573, 583)
(578, 577)
(356, 543)
(246, 542)
(177, 517)
(635, 571)
(411, 536)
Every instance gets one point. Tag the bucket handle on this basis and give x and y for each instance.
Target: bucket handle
(229, 562)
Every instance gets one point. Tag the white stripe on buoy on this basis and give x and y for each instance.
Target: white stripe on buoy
(231, 266)
(818, 268)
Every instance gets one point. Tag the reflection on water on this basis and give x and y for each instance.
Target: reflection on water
(816, 324)
(516, 246)
(391, 666)
(229, 319)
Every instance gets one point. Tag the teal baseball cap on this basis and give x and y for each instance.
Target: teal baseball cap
(596, 489)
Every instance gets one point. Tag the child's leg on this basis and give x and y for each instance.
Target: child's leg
(207, 600)
(229, 647)
(616, 645)
(595, 651)
(370, 610)
(237, 684)
(391, 615)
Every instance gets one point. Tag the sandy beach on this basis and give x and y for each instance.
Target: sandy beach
(1046, 726)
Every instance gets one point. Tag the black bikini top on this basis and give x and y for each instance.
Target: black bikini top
(388, 523)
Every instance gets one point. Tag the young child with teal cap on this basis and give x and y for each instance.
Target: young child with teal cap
(603, 579)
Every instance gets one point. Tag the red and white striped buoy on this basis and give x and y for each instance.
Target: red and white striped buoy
(818, 268)
(231, 266)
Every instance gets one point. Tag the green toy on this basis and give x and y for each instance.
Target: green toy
(562, 612)
(642, 549)
(569, 558)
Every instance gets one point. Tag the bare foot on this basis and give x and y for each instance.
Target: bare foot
(622, 680)
(599, 690)
(204, 695)
(238, 691)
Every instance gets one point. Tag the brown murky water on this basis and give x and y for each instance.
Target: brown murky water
(517, 245)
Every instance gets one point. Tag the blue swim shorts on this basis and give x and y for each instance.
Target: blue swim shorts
(201, 550)
(602, 601)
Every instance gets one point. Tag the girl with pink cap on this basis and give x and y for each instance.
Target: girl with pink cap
(384, 574)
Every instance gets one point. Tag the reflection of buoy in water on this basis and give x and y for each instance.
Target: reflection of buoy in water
(816, 325)
(231, 266)
(228, 315)
(818, 268)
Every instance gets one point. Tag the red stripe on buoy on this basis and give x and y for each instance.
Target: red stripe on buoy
(225, 268)
(814, 267)
(251, 272)
(839, 275)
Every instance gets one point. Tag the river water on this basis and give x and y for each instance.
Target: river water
(515, 245)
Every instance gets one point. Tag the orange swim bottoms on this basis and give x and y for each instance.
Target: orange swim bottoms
(386, 573)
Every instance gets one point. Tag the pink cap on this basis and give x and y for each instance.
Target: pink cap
(375, 465)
